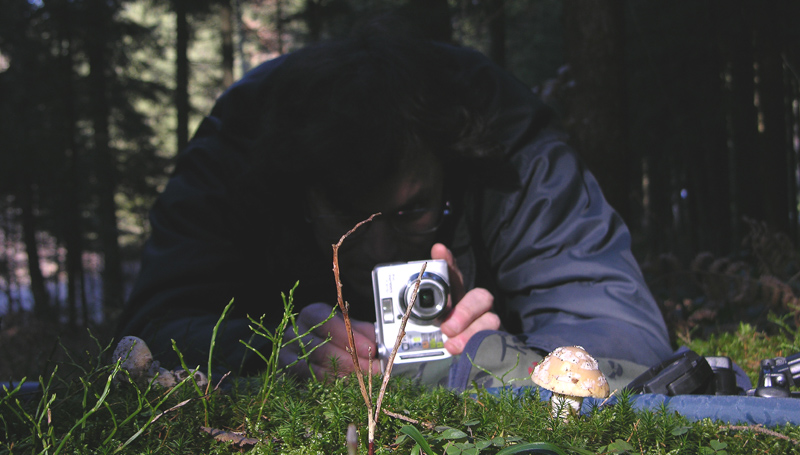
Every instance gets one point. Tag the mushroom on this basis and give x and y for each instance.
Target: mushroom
(166, 378)
(143, 369)
(572, 375)
(136, 357)
(138, 361)
(199, 377)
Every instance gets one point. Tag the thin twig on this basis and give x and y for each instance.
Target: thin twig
(370, 374)
(220, 382)
(427, 425)
(609, 397)
(366, 393)
(187, 401)
(390, 362)
(177, 406)
(344, 306)
(758, 429)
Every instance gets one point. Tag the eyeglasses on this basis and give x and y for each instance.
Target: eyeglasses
(408, 223)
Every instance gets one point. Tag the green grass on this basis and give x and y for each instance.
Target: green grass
(747, 346)
(92, 414)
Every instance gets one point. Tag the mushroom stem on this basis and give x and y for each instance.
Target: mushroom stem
(564, 406)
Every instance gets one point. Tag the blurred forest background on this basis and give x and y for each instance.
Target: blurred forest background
(687, 112)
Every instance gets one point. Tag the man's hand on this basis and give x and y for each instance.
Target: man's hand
(472, 312)
(320, 360)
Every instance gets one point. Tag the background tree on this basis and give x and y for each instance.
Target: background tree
(738, 23)
(99, 15)
(226, 35)
(54, 116)
(23, 148)
(182, 105)
(678, 124)
(68, 206)
(686, 111)
(596, 106)
(771, 37)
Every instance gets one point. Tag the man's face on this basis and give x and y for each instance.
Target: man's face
(412, 204)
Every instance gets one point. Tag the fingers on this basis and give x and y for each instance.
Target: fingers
(336, 348)
(474, 304)
(363, 332)
(439, 251)
(366, 331)
(470, 316)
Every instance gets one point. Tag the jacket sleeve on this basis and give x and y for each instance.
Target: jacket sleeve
(563, 261)
(559, 254)
(194, 262)
(191, 265)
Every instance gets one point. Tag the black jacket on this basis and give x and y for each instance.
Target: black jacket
(553, 252)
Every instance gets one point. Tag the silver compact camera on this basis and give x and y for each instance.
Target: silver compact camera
(393, 285)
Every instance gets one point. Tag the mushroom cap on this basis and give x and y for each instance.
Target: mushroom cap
(570, 370)
(135, 355)
(200, 378)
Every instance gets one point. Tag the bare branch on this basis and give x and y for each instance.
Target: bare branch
(390, 362)
(344, 307)
(427, 425)
(758, 429)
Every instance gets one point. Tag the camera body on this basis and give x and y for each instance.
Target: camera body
(393, 286)
(777, 376)
(688, 373)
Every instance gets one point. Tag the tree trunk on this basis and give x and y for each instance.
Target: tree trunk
(704, 137)
(771, 105)
(226, 29)
(8, 265)
(747, 191)
(71, 226)
(791, 165)
(104, 159)
(182, 105)
(41, 298)
(597, 107)
(279, 26)
(432, 18)
(497, 32)
(313, 17)
(243, 61)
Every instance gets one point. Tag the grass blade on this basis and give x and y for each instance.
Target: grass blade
(544, 447)
(418, 437)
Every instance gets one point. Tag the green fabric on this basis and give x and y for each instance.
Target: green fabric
(501, 359)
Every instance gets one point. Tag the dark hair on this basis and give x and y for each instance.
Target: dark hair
(342, 115)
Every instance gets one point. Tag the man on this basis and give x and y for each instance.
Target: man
(458, 157)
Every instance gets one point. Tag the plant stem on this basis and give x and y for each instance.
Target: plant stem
(390, 362)
(344, 307)
(372, 415)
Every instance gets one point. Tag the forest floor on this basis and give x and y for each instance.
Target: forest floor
(30, 347)
(708, 295)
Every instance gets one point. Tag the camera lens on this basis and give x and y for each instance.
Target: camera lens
(432, 298)
(426, 298)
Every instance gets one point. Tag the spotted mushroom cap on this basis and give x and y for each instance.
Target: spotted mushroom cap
(571, 371)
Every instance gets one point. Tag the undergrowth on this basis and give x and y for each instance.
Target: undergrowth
(91, 412)
(94, 414)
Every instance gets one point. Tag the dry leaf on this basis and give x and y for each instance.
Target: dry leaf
(235, 438)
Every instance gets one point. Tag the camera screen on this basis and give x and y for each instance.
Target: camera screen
(427, 298)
